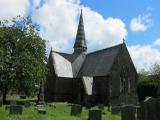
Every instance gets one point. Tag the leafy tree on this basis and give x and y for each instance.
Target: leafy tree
(23, 59)
(149, 82)
(155, 73)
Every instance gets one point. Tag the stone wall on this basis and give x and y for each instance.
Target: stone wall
(123, 79)
(50, 82)
(101, 89)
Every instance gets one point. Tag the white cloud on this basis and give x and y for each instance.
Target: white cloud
(157, 42)
(144, 56)
(102, 33)
(13, 8)
(36, 3)
(58, 20)
(140, 23)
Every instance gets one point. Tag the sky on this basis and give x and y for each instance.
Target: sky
(106, 23)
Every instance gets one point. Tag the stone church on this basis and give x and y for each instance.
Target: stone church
(106, 76)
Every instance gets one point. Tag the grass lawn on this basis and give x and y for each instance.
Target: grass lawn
(58, 111)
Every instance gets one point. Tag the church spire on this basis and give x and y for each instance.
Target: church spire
(80, 43)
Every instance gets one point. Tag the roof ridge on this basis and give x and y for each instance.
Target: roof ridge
(106, 48)
(61, 52)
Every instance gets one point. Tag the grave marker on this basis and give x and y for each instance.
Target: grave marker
(128, 112)
(115, 109)
(95, 115)
(16, 109)
(76, 109)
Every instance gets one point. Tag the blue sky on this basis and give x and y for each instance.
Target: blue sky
(106, 22)
(126, 10)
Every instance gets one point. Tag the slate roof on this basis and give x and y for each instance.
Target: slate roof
(62, 64)
(99, 63)
(78, 65)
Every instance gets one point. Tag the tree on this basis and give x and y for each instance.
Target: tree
(23, 58)
(149, 82)
(155, 73)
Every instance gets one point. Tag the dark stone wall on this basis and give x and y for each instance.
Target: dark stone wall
(50, 84)
(123, 79)
(101, 89)
(58, 88)
(116, 88)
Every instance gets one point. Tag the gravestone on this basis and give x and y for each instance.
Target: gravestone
(128, 112)
(150, 109)
(16, 109)
(158, 109)
(13, 102)
(7, 107)
(1, 100)
(27, 104)
(41, 109)
(139, 113)
(1, 103)
(158, 92)
(95, 115)
(101, 106)
(22, 96)
(115, 109)
(76, 109)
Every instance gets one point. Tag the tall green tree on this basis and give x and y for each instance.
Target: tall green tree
(23, 58)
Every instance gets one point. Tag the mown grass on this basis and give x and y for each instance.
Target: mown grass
(58, 111)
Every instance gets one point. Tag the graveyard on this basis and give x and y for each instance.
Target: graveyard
(55, 111)
(25, 109)
(95, 70)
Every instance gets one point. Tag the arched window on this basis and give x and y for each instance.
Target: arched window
(124, 80)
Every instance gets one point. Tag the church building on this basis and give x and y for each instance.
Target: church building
(106, 76)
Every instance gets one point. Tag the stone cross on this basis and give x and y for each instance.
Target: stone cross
(41, 94)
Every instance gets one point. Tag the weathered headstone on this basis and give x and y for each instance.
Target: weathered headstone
(27, 104)
(76, 109)
(22, 96)
(101, 106)
(139, 113)
(1, 100)
(128, 112)
(1, 103)
(115, 109)
(158, 109)
(41, 109)
(16, 109)
(7, 107)
(149, 109)
(13, 102)
(158, 92)
(95, 115)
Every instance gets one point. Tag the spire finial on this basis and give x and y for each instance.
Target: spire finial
(124, 40)
(80, 43)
